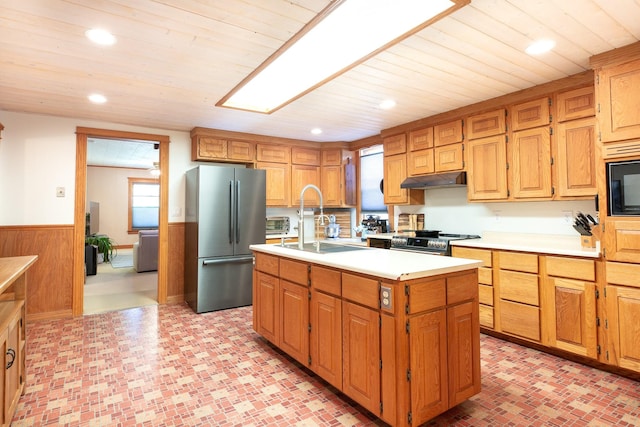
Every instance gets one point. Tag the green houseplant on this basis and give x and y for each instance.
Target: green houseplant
(104, 243)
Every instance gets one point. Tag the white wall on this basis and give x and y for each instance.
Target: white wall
(447, 209)
(37, 154)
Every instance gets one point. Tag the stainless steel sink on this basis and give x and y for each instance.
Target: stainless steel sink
(324, 248)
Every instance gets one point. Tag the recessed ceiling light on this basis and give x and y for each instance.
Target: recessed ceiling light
(343, 35)
(540, 46)
(316, 131)
(100, 36)
(387, 104)
(96, 98)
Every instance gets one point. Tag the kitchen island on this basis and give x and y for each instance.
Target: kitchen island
(396, 332)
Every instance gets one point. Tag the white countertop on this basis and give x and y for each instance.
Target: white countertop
(526, 242)
(394, 265)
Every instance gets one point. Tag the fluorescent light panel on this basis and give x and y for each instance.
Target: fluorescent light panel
(354, 30)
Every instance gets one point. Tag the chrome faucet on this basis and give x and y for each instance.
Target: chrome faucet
(301, 214)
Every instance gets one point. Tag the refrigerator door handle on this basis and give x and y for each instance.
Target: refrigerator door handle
(232, 205)
(237, 210)
(235, 259)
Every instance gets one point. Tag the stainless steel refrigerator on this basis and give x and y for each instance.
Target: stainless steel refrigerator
(225, 212)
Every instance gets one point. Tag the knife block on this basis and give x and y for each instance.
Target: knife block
(590, 241)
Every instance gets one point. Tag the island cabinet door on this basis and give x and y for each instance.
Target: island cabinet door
(294, 321)
(361, 355)
(428, 364)
(463, 352)
(326, 337)
(266, 307)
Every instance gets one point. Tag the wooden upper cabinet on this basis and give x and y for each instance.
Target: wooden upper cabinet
(576, 158)
(421, 139)
(395, 171)
(448, 158)
(420, 162)
(576, 104)
(273, 153)
(618, 97)
(530, 114)
(278, 177)
(487, 168)
(305, 156)
(209, 148)
(332, 157)
(396, 144)
(531, 164)
(487, 124)
(301, 175)
(447, 133)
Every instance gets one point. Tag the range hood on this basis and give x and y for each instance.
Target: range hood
(447, 179)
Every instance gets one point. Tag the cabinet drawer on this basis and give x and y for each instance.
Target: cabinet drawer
(361, 290)
(573, 268)
(267, 264)
(486, 316)
(326, 280)
(518, 262)
(519, 287)
(519, 319)
(485, 276)
(619, 273)
(485, 294)
(294, 271)
(483, 255)
(427, 295)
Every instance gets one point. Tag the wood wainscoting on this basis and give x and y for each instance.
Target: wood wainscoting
(50, 287)
(175, 282)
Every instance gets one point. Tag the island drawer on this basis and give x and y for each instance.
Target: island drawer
(326, 280)
(573, 268)
(518, 261)
(519, 287)
(427, 295)
(294, 271)
(520, 319)
(362, 290)
(267, 264)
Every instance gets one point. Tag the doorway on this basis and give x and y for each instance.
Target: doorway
(82, 136)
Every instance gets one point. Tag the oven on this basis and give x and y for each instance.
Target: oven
(429, 242)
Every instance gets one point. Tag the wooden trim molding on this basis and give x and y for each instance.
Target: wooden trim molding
(1, 129)
(82, 135)
(615, 57)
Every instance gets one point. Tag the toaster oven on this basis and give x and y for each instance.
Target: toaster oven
(277, 225)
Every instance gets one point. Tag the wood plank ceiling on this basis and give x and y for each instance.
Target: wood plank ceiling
(174, 59)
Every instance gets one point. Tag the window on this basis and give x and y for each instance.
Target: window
(371, 174)
(144, 204)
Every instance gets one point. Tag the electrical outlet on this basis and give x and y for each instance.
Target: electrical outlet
(59, 191)
(497, 214)
(568, 217)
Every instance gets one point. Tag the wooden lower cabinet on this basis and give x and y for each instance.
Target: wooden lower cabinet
(294, 320)
(361, 355)
(325, 337)
(405, 362)
(429, 337)
(623, 312)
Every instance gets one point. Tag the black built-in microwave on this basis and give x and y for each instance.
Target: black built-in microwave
(623, 188)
